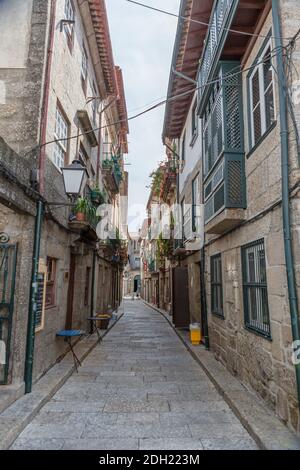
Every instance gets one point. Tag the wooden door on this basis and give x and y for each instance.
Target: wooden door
(181, 309)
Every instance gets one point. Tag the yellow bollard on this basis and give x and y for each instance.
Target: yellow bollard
(195, 332)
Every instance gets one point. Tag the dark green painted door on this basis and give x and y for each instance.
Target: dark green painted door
(8, 260)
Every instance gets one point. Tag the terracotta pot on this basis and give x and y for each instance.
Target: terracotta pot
(80, 216)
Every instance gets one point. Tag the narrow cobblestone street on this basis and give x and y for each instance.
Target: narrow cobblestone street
(139, 389)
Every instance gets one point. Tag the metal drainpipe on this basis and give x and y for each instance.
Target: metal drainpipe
(93, 289)
(44, 120)
(291, 279)
(202, 277)
(33, 298)
(40, 212)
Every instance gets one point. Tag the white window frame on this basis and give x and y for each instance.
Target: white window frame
(61, 131)
(70, 16)
(183, 148)
(196, 217)
(194, 121)
(262, 95)
(84, 64)
(187, 222)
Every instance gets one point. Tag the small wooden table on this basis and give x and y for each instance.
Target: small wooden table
(94, 321)
(68, 335)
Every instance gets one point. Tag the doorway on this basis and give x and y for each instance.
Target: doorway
(181, 309)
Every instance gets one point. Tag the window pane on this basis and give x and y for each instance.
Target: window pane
(257, 124)
(255, 89)
(270, 111)
(267, 66)
(216, 285)
(255, 288)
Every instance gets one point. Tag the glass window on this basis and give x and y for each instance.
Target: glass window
(216, 285)
(50, 282)
(196, 204)
(84, 69)
(61, 132)
(87, 286)
(262, 96)
(70, 16)
(194, 119)
(255, 288)
(183, 148)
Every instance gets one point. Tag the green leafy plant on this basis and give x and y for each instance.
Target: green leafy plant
(164, 249)
(157, 180)
(107, 164)
(81, 205)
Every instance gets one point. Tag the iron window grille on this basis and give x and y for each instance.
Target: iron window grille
(216, 286)
(255, 293)
(261, 96)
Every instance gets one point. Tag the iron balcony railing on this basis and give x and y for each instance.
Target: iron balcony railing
(112, 167)
(151, 265)
(221, 20)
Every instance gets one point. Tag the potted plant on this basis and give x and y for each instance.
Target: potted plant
(80, 209)
(107, 164)
(95, 192)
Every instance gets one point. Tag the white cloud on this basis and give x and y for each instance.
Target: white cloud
(142, 44)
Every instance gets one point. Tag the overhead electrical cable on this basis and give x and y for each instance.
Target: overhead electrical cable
(162, 102)
(191, 20)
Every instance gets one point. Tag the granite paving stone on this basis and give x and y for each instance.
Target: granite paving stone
(139, 389)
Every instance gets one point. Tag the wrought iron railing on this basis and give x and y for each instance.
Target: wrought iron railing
(113, 166)
(151, 265)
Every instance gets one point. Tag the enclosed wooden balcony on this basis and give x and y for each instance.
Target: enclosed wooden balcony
(223, 149)
(231, 36)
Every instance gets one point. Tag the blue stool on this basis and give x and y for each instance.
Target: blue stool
(68, 335)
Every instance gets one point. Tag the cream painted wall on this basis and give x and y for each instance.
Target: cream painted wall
(15, 17)
(66, 84)
(192, 152)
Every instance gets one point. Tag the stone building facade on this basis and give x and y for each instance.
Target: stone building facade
(243, 186)
(60, 94)
(132, 272)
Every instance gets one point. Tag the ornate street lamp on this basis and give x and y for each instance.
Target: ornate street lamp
(75, 178)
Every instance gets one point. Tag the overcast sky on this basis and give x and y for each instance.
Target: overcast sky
(143, 44)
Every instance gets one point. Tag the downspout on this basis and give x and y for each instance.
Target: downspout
(93, 289)
(40, 212)
(33, 299)
(202, 273)
(44, 120)
(99, 146)
(291, 279)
